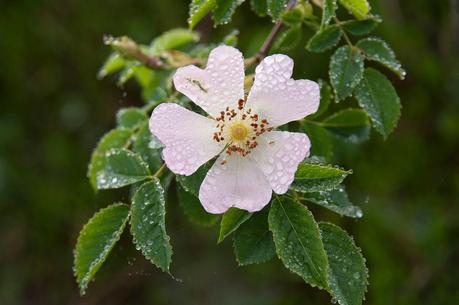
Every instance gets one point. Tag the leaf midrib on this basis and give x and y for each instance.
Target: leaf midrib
(302, 246)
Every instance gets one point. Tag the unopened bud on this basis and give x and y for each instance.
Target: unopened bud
(124, 45)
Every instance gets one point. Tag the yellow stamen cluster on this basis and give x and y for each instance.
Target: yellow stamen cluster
(241, 127)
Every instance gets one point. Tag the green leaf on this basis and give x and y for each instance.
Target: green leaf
(348, 275)
(298, 241)
(293, 17)
(378, 50)
(193, 182)
(96, 240)
(116, 138)
(231, 39)
(351, 125)
(328, 11)
(324, 39)
(114, 63)
(194, 210)
(275, 7)
(231, 220)
(224, 10)
(321, 141)
(335, 200)
(346, 70)
(253, 242)
(173, 39)
(358, 8)
(147, 146)
(198, 10)
(126, 74)
(145, 77)
(123, 168)
(130, 117)
(326, 96)
(378, 98)
(288, 39)
(148, 224)
(361, 27)
(260, 7)
(314, 177)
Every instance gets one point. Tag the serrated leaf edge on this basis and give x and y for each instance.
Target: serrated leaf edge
(83, 284)
(320, 234)
(359, 251)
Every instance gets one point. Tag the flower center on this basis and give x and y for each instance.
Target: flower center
(238, 131)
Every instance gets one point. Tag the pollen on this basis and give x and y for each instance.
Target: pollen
(238, 131)
(241, 128)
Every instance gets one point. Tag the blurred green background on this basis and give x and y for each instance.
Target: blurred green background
(53, 110)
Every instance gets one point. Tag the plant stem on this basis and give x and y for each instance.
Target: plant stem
(160, 171)
(346, 37)
(150, 61)
(267, 44)
(130, 49)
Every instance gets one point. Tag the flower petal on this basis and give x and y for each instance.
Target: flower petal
(186, 135)
(278, 154)
(219, 86)
(277, 97)
(237, 183)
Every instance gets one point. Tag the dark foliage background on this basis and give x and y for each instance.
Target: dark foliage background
(53, 110)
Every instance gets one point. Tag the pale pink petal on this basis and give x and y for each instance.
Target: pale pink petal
(237, 183)
(277, 97)
(186, 135)
(219, 86)
(278, 154)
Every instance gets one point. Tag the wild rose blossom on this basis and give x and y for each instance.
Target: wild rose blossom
(254, 158)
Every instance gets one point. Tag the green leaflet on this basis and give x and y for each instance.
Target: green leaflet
(194, 210)
(378, 50)
(361, 27)
(314, 177)
(148, 224)
(328, 11)
(346, 70)
(358, 8)
(127, 73)
(148, 147)
(326, 96)
(96, 240)
(321, 140)
(335, 200)
(231, 221)
(288, 39)
(350, 124)
(260, 7)
(378, 98)
(275, 7)
(293, 17)
(130, 117)
(224, 10)
(324, 39)
(123, 168)
(232, 38)
(193, 182)
(298, 241)
(172, 39)
(198, 10)
(116, 138)
(348, 275)
(253, 242)
(114, 63)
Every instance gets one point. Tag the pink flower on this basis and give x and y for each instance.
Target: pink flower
(254, 158)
